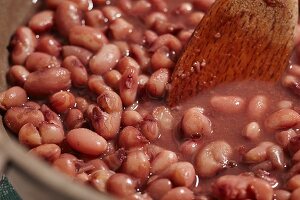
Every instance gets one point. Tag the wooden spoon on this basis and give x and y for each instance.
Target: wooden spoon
(236, 40)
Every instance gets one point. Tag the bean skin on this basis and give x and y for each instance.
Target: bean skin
(81, 104)
(131, 137)
(23, 44)
(62, 101)
(49, 152)
(128, 86)
(110, 102)
(141, 55)
(95, 18)
(18, 74)
(116, 159)
(38, 61)
(179, 193)
(111, 13)
(120, 29)
(74, 119)
(50, 45)
(161, 59)
(51, 116)
(66, 164)
(167, 40)
(51, 133)
(82, 54)
(127, 63)
(162, 161)
(86, 141)
(42, 21)
(131, 118)
(121, 185)
(283, 137)
(156, 85)
(259, 153)
(97, 85)
(158, 188)
(47, 81)
(112, 78)
(99, 179)
(12, 97)
(79, 75)
(282, 119)
(29, 135)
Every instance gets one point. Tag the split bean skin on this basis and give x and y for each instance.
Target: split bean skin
(89, 81)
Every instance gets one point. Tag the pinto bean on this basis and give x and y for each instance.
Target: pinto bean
(16, 117)
(98, 164)
(164, 117)
(49, 152)
(74, 119)
(29, 135)
(105, 60)
(283, 137)
(131, 137)
(282, 195)
(38, 61)
(86, 141)
(184, 8)
(112, 78)
(156, 85)
(12, 97)
(295, 194)
(127, 63)
(161, 59)
(42, 21)
(259, 153)
(111, 12)
(242, 187)
(137, 165)
(110, 102)
(252, 131)
(167, 40)
(136, 8)
(128, 86)
(150, 130)
(158, 188)
(79, 75)
(212, 158)
(51, 133)
(179, 193)
(276, 156)
(81, 104)
(141, 55)
(97, 85)
(162, 161)
(121, 185)
(99, 179)
(87, 37)
(294, 144)
(48, 44)
(82, 54)
(227, 104)
(18, 74)
(23, 44)
(95, 18)
(185, 35)
(294, 182)
(203, 5)
(131, 118)
(66, 164)
(116, 159)
(124, 48)
(194, 124)
(143, 80)
(47, 81)
(67, 15)
(51, 116)
(120, 29)
(285, 104)
(189, 148)
(282, 119)
(258, 105)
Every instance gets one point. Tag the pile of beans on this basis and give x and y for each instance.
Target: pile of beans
(89, 80)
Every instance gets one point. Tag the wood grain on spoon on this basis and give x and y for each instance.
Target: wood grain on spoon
(236, 40)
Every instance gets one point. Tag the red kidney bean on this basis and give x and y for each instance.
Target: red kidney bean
(120, 29)
(203, 5)
(282, 195)
(48, 44)
(86, 141)
(99, 179)
(156, 85)
(49, 152)
(18, 74)
(82, 54)
(242, 187)
(131, 137)
(161, 59)
(257, 107)
(16, 117)
(167, 40)
(141, 55)
(162, 161)
(29, 135)
(105, 60)
(67, 15)
(158, 188)
(95, 18)
(12, 97)
(121, 185)
(116, 159)
(227, 104)
(47, 81)
(23, 44)
(42, 21)
(38, 61)
(212, 158)
(112, 78)
(111, 12)
(282, 119)
(51, 133)
(87, 37)
(294, 182)
(51, 116)
(97, 85)
(137, 165)
(283, 137)
(78, 71)
(66, 164)
(252, 131)
(179, 193)
(128, 86)
(194, 124)
(74, 119)
(131, 118)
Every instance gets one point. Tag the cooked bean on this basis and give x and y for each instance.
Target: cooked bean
(51, 133)
(294, 182)
(110, 102)
(143, 80)
(49, 152)
(259, 153)
(257, 107)
(126, 63)
(95, 18)
(156, 85)
(86, 141)
(116, 159)
(283, 137)
(131, 137)
(32, 104)
(112, 78)
(161, 59)
(124, 47)
(252, 131)
(149, 128)
(16, 117)
(227, 104)
(131, 118)
(81, 104)
(66, 164)
(212, 158)
(128, 86)
(38, 61)
(29, 135)
(203, 5)
(82, 54)
(121, 185)
(135, 8)
(23, 44)
(158, 188)
(120, 29)
(162, 161)
(164, 117)
(141, 55)
(194, 124)
(67, 15)
(105, 60)
(276, 156)
(18, 74)
(282, 119)
(185, 35)
(87, 37)
(79, 75)
(99, 179)
(111, 12)
(295, 194)
(62, 101)
(74, 119)
(82, 177)
(184, 8)
(282, 195)
(42, 21)
(137, 165)
(48, 44)
(51, 116)
(150, 36)
(189, 148)
(47, 81)
(12, 97)
(294, 144)
(285, 104)
(179, 193)
(167, 40)
(97, 85)
(98, 164)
